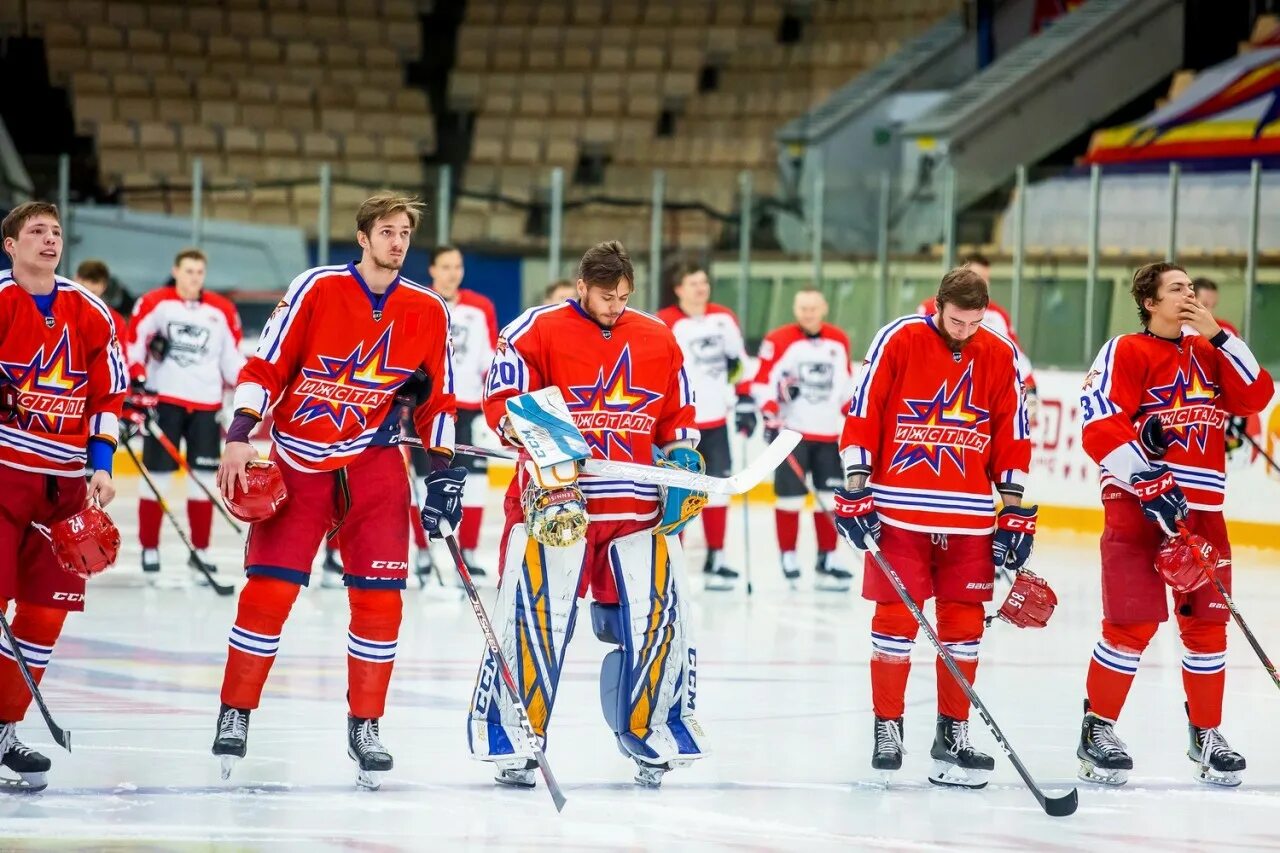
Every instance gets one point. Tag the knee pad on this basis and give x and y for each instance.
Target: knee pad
(655, 669)
(1129, 636)
(534, 619)
(893, 632)
(267, 598)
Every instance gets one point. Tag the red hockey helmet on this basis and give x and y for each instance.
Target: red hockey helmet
(1185, 561)
(265, 493)
(1030, 602)
(85, 543)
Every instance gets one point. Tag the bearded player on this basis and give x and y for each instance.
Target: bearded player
(341, 351)
(1155, 407)
(625, 385)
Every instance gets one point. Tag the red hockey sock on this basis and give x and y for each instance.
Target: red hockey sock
(825, 529)
(149, 516)
(36, 628)
(264, 606)
(788, 525)
(893, 632)
(1114, 664)
(371, 648)
(200, 516)
(960, 625)
(469, 532)
(1204, 669)
(713, 524)
(415, 527)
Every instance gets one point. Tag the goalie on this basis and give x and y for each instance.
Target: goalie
(621, 373)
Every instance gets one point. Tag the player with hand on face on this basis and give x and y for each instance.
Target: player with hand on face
(62, 382)
(347, 346)
(1155, 405)
(621, 374)
(714, 352)
(803, 383)
(937, 420)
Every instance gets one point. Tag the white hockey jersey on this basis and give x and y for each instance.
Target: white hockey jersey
(203, 352)
(807, 378)
(474, 329)
(712, 346)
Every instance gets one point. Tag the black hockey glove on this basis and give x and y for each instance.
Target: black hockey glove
(1162, 501)
(1015, 532)
(158, 347)
(856, 516)
(443, 500)
(1151, 437)
(415, 391)
(744, 415)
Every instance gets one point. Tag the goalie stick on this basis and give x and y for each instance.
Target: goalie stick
(495, 649)
(773, 456)
(1053, 806)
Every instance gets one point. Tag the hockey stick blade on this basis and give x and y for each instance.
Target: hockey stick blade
(61, 736)
(495, 649)
(1053, 806)
(221, 589)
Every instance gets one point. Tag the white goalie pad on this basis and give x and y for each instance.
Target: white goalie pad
(534, 617)
(649, 684)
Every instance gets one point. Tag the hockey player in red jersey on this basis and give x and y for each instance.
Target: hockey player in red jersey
(997, 319)
(803, 383)
(626, 389)
(183, 350)
(344, 348)
(936, 420)
(1154, 407)
(62, 381)
(714, 352)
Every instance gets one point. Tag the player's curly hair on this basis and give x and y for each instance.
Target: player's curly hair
(606, 265)
(1146, 285)
(384, 204)
(11, 227)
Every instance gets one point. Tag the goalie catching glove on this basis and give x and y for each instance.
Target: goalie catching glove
(679, 505)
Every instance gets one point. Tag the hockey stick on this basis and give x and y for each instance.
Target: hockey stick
(153, 429)
(61, 736)
(746, 524)
(495, 649)
(738, 484)
(1053, 806)
(1258, 449)
(1231, 606)
(193, 559)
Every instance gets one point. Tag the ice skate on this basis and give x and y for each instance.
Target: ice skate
(1216, 762)
(516, 773)
(888, 749)
(955, 762)
(151, 565)
(829, 577)
(650, 775)
(231, 740)
(476, 570)
(716, 575)
(1103, 756)
(791, 567)
(331, 570)
(31, 767)
(423, 566)
(365, 748)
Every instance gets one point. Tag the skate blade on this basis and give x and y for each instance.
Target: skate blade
(522, 782)
(1098, 776)
(26, 783)
(227, 764)
(949, 775)
(718, 585)
(649, 777)
(1219, 778)
(885, 776)
(369, 780)
(832, 586)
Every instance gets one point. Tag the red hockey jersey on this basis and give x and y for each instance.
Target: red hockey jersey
(818, 365)
(473, 329)
(203, 350)
(331, 358)
(62, 378)
(711, 344)
(997, 320)
(626, 388)
(937, 429)
(1193, 385)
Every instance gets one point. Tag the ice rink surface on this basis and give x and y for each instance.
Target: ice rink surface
(783, 695)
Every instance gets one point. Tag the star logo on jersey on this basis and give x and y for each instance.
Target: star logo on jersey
(1186, 407)
(940, 428)
(46, 391)
(354, 385)
(610, 411)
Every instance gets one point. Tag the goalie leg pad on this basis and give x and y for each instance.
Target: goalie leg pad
(533, 617)
(655, 668)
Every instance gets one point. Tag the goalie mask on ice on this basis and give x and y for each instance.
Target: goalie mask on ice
(86, 543)
(647, 682)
